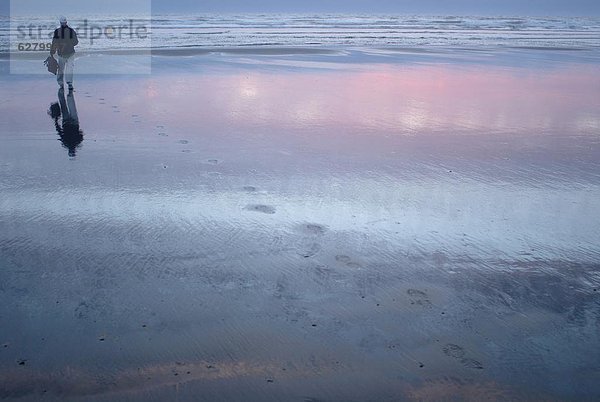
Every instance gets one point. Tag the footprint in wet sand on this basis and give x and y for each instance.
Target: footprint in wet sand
(457, 352)
(471, 363)
(453, 350)
(82, 311)
(250, 189)
(313, 229)
(213, 161)
(265, 209)
(310, 251)
(418, 297)
(163, 134)
(183, 142)
(344, 259)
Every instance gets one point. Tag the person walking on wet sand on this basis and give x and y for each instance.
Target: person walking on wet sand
(63, 43)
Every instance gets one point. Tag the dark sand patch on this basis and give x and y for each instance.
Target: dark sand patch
(264, 209)
(313, 229)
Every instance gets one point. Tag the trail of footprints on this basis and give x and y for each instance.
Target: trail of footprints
(310, 248)
(158, 129)
(161, 131)
(420, 298)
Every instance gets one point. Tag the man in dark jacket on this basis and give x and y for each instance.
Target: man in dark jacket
(64, 42)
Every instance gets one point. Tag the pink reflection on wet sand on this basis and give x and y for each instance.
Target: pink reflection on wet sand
(404, 100)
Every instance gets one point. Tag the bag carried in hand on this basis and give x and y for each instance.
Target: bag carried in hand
(52, 65)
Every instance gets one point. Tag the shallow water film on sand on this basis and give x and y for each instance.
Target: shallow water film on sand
(304, 225)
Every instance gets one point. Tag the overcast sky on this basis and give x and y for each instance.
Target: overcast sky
(439, 7)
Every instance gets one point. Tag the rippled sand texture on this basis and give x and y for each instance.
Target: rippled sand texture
(264, 227)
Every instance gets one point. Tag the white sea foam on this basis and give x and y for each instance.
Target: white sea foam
(172, 31)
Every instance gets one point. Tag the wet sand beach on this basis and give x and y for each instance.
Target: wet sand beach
(337, 225)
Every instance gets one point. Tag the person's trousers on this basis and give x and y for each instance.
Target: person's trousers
(65, 70)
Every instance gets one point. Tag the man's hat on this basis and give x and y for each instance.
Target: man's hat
(62, 19)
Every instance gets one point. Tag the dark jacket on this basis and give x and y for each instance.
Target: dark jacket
(64, 41)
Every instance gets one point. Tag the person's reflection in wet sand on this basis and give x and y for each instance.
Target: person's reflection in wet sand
(70, 134)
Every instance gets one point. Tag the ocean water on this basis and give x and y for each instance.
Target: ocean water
(201, 30)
